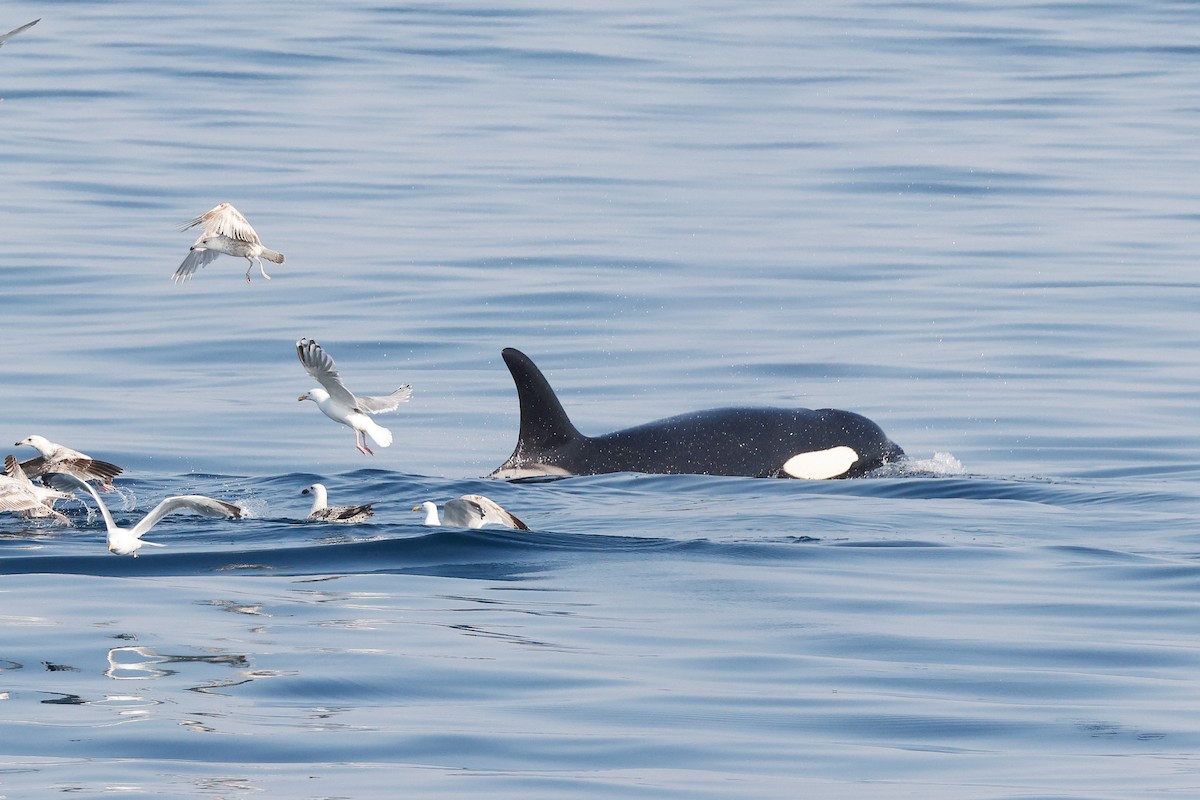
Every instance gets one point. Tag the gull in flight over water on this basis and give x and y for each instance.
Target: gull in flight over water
(470, 511)
(18, 493)
(55, 457)
(225, 231)
(323, 512)
(5, 37)
(126, 541)
(339, 403)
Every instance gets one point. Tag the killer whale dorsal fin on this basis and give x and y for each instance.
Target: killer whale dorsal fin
(544, 423)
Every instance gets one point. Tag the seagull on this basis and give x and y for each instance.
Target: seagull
(323, 512)
(18, 493)
(56, 458)
(225, 231)
(46, 495)
(470, 511)
(126, 541)
(339, 403)
(4, 38)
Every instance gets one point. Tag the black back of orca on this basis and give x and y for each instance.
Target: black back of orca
(755, 442)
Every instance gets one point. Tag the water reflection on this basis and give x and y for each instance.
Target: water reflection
(145, 662)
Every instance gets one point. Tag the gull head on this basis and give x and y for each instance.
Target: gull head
(316, 395)
(201, 243)
(39, 443)
(431, 513)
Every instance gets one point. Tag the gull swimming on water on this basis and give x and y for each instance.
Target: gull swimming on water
(470, 511)
(225, 231)
(18, 493)
(5, 37)
(126, 541)
(57, 458)
(339, 403)
(323, 512)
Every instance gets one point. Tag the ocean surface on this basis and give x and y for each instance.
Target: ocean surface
(974, 223)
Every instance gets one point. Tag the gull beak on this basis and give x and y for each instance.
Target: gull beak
(416, 508)
(302, 398)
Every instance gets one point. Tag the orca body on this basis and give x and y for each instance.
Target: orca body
(754, 442)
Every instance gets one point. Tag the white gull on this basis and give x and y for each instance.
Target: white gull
(126, 541)
(470, 511)
(339, 403)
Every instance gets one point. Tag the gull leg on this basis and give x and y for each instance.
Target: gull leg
(263, 270)
(251, 260)
(360, 441)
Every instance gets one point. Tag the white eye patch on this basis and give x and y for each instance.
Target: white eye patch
(821, 465)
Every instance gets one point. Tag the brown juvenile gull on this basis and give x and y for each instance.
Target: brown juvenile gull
(339, 403)
(126, 541)
(323, 512)
(5, 37)
(225, 231)
(18, 493)
(56, 458)
(470, 511)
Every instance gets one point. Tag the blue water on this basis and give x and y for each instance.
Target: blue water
(973, 223)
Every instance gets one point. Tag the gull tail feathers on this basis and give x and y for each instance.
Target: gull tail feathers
(271, 255)
(379, 434)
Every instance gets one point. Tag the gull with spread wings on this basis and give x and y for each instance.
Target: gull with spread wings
(339, 403)
(127, 541)
(54, 457)
(225, 231)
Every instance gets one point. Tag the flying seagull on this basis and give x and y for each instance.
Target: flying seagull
(323, 512)
(57, 458)
(225, 231)
(126, 541)
(5, 37)
(470, 511)
(339, 403)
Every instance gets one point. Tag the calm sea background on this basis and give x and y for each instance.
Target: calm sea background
(974, 223)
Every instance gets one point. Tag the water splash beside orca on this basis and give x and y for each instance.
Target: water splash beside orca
(754, 442)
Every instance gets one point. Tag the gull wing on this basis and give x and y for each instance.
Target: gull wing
(475, 511)
(15, 31)
(343, 513)
(87, 468)
(12, 468)
(321, 366)
(382, 405)
(195, 260)
(187, 502)
(33, 467)
(225, 220)
(17, 496)
(492, 513)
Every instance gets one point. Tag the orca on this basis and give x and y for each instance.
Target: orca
(753, 442)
